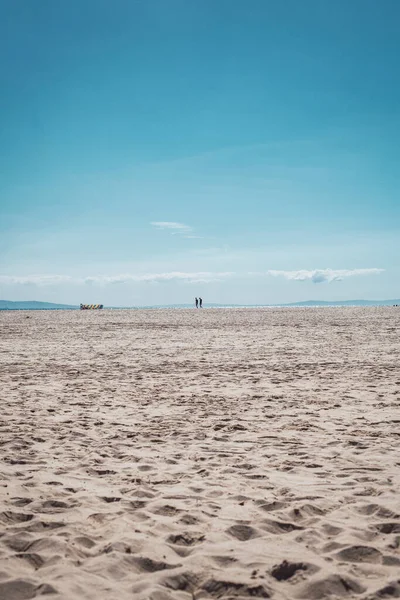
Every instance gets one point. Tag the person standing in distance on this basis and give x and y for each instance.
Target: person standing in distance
(201, 302)
(197, 302)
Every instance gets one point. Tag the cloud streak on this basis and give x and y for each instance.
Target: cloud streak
(172, 226)
(199, 276)
(35, 279)
(316, 276)
(177, 276)
(323, 275)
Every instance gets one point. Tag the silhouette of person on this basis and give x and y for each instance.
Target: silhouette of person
(201, 302)
(197, 302)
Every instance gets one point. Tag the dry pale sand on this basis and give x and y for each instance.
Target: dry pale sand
(181, 454)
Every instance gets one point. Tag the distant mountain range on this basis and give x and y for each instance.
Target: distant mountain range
(33, 305)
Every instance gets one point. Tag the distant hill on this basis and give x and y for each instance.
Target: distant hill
(33, 305)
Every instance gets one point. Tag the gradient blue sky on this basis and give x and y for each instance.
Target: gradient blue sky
(154, 150)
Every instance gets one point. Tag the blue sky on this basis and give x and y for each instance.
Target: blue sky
(154, 150)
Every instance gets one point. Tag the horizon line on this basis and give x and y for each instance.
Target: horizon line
(184, 305)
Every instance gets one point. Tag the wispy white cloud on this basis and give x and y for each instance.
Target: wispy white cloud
(35, 279)
(172, 226)
(323, 275)
(185, 231)
(204, 276)
(316, 276)
(185, 277)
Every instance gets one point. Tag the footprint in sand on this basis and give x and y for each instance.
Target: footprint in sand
(137, 504)
(242, 532)
(286, 570)
(14, 517)
(224, 561)
(185, 539)
(271, 506)
(279, 527)
(377, 511)
(229, 589)
(189, 520)
(333, 585)
(20, 589)
(388, 527)
(84, 541)
(21, 501)
(35, 560)
(167, 511)
(110, 499)
(185, 582)
(147, 565)
(53, 506)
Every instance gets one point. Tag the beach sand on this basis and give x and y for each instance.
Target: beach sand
(183, 454)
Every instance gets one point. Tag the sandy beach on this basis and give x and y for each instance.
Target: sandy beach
(183, 454)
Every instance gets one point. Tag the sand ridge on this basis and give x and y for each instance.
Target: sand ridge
(181, 454)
